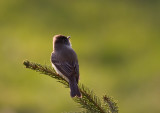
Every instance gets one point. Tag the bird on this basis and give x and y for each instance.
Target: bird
(65, 62)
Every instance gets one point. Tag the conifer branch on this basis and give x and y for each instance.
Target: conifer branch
(89, 100)
(45, 70)
(110, 104)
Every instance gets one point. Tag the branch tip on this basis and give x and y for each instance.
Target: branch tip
(26, 63)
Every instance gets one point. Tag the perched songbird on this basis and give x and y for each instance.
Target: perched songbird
(65, 62)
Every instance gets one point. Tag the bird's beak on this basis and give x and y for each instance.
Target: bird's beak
(68, 37)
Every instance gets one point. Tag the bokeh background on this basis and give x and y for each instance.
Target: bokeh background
(117, 43)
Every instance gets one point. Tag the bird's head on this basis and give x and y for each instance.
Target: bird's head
(61, 40)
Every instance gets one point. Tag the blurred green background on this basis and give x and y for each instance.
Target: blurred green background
(117, 43)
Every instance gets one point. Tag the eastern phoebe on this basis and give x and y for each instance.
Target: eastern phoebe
(65, 62)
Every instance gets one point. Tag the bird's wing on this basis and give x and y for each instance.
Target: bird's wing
(67, 68)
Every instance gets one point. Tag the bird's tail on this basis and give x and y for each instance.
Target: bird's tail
(74, 88)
